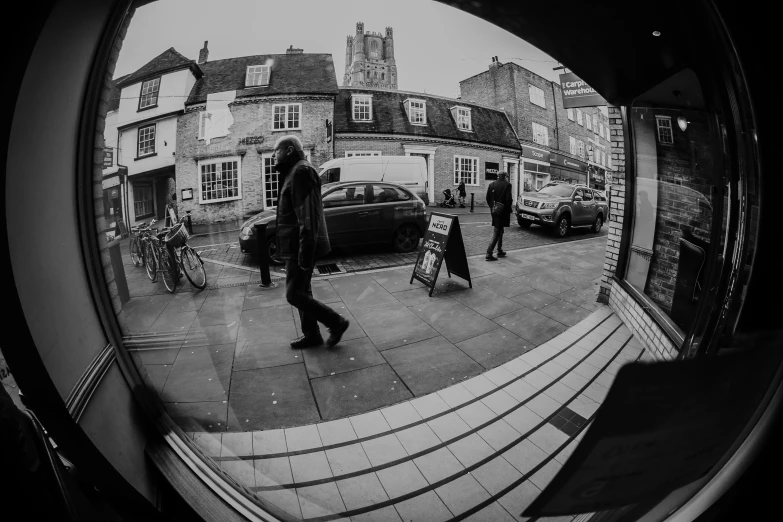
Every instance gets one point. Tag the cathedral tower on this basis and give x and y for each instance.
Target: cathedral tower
(369, 60)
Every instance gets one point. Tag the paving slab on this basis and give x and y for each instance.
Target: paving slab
(455, 321)
(271, 398)
(485, 301)
(531, 325)
(495, 348)
(357, 391)
(199, 416)
(346, 356)
(393, 325)
(200, 374)
(432, 364)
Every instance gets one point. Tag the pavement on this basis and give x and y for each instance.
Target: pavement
(462, 405)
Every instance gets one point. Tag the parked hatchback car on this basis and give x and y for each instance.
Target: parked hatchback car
(357, 213)
(562, 206)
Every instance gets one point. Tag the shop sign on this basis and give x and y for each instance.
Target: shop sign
(597, 176)
(108, 158)
(562, 161)
(251, 140)
(576, 93)
(531, 153)
(187, 194)
(491, 170)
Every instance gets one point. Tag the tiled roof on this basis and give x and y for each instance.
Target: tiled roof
(489, 126)
(114, 93)
(290, 74)
(166, 61)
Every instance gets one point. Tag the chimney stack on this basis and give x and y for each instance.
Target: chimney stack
(291, 50)
(203, 54)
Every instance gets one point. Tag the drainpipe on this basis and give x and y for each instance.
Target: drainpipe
(557, 126)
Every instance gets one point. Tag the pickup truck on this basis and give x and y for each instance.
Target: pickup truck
(562, 206)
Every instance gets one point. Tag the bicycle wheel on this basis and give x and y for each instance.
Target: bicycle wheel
(135, 251)
(193, 267)
(149, 261)
(169, 280)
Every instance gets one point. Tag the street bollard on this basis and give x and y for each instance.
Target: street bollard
(471, 201)
(190, 223)
(263, 256)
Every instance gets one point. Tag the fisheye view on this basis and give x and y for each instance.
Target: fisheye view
(372, 261)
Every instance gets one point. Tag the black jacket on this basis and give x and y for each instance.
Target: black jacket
(500, 191)
(301, 225)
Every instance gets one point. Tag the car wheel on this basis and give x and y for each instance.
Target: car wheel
(271, 250)
(598, 224)
(524, 223)
(406, 239)
(562, 226)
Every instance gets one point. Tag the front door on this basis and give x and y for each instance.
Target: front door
(161, 191)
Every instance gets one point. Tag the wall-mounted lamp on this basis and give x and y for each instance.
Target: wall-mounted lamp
(682, 122)
(656, 33)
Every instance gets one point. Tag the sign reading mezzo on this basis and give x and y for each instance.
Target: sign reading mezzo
(491, 170)
(443, 240)
(576, 93)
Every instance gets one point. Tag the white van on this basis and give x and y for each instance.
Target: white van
(409, 171)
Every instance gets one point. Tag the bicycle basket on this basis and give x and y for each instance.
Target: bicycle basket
(177, 236)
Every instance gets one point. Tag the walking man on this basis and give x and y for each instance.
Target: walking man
(499, 192)
(302, 238)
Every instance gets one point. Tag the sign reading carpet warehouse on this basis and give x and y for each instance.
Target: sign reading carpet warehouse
(576, 93)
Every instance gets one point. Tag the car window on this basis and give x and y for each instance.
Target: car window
(344, 196)
(557, 190)
(330, 175)
(588, 195)
(580, 193)
(387, 193)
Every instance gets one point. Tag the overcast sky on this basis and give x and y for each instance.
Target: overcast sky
(435, 45)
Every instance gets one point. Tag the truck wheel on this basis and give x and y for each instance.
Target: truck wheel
(524, 223)
(598, 223)
(563, 225)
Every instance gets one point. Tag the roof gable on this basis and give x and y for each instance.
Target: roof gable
(289, 74)
(168, 60)
(488, 126)
(114, 93)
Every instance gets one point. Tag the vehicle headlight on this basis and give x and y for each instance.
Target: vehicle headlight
(246, 233)
(548, 205)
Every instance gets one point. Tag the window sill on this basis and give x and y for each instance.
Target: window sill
(465, 130)
(145, 156)
(211, 201)
(148, 108)
(363, 121)
(288, 129)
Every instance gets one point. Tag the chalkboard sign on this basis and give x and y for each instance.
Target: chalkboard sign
(442, 241)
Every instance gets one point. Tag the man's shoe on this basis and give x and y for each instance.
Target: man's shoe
(307, 342)
(501, 253)
(491, 258)
(336, 333)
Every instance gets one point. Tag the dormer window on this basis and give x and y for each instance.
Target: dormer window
(149, 94)
(417, 111)
(361, 107)
(257, 75)
(461, 115)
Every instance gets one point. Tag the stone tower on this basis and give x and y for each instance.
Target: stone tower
(369, 60)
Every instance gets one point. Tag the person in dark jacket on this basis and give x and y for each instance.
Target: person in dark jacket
(462, 194)
(499, 191)
(303, 238)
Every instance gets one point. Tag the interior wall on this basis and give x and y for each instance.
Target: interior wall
(48, 267)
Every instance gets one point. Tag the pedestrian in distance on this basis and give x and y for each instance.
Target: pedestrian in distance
(462, 194)
(499, 201)
(302, 239)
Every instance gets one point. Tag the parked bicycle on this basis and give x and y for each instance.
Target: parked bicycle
(137, 242)
(186, 259)
(158, 260)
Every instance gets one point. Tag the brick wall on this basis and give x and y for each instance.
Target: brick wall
(97, 177)
(251, 119)
(443, 161)
(641, 325)
(507, 86)
(617, 202)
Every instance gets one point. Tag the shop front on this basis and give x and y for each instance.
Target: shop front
(535, 164)
(567, 169)
(597, 178)
(114, 205)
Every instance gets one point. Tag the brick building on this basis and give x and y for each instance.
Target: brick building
(115, 176)
(150, 102)
(369, 60)
(564, 144)
(233, 117)
(460, 141)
